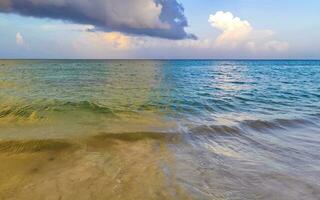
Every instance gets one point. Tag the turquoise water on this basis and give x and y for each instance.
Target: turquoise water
(248, 129)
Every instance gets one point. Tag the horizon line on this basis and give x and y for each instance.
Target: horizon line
(164, 59)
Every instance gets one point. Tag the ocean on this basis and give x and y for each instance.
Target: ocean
(160, 129)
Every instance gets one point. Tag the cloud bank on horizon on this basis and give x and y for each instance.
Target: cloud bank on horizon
(156, 18)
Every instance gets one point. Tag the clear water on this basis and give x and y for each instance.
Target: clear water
(230, 129)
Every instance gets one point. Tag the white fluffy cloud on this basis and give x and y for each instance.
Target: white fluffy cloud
(234, 30)
(19, 39)
(238, 33)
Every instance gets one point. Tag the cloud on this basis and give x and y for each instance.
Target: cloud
(238, 33)
(118, 45)
(238, 39)
(67, 27)
(113, 40)
(269, 46)
(19, 39)
(234, 30)
(156, 18)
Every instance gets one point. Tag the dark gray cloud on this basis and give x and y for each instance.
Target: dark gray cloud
(156, 18)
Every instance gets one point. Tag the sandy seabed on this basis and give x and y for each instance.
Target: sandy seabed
(105, 166)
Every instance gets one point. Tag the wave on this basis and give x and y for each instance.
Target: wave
(39, 109)
(136, 136)
(100, 140)
(84, 105)
(216, 129)
(254, 125)
(263, 125)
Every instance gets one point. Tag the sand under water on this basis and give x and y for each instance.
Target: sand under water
(77, 129)
(105, 166)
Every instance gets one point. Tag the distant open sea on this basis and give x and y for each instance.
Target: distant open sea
(160, 129)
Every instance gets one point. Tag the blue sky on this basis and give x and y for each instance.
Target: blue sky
(236, 29)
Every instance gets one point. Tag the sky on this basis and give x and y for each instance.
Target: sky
(160, 29)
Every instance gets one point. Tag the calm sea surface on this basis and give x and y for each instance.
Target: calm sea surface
(148, 129)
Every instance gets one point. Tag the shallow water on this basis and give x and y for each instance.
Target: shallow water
(149, 129)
